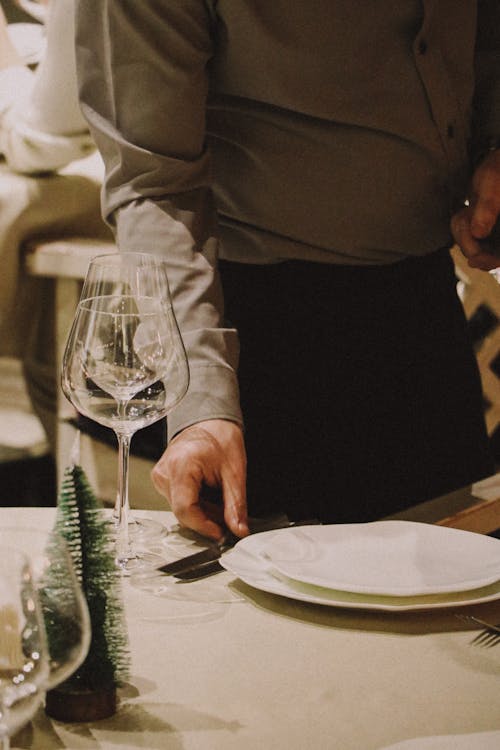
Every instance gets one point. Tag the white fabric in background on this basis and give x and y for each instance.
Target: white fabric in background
(29, 150)
(12, 81)
(41, 125)
(29, 41)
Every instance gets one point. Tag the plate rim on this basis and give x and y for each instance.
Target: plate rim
(413, 590)
(276, 586)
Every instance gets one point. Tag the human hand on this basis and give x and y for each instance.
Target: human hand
(212, 453)
(475, 221)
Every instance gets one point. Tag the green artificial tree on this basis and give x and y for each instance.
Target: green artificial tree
(90, 692)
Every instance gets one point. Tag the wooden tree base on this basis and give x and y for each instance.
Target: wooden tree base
(80, 706)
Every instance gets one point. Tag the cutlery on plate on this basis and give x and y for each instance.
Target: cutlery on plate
(489, 636)
(206, 562)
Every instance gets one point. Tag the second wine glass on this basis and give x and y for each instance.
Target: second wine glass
(63, 604)
(24, 666)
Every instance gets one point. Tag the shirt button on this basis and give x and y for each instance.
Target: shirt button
(422, 47)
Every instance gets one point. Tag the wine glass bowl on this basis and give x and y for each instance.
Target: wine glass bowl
(24, 664)
(63, 606)
(121, 366)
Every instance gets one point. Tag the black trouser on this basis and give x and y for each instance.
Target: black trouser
(359, 387)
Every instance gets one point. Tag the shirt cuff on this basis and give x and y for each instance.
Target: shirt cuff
(213, 393)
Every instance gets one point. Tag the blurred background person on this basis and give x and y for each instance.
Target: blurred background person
(41, 126)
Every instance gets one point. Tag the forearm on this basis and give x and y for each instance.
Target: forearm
(180, 227)
(143, 87)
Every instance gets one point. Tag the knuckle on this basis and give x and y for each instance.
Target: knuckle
(157, 475)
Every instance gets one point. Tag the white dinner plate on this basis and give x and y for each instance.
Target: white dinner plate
(395, 558)
(475, 741)
(250, 561)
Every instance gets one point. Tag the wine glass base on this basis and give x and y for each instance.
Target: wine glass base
(142, 529)
(139, 562)
(216, 589)
(147, 529)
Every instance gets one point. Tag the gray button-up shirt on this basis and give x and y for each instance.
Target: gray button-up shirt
(262, 130)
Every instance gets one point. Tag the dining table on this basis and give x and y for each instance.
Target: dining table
(218, 664)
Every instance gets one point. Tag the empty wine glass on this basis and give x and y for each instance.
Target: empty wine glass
(125, 367)
(24, 666)
(142, 275)
(63, 605)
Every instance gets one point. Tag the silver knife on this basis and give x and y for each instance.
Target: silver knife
(199, 559)
(200, 571)
(206, 562)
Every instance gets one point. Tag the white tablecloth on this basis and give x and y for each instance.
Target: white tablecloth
(260, 671)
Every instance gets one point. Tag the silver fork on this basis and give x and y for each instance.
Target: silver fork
(489, 636)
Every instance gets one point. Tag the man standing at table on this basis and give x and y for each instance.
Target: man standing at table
(299, 163)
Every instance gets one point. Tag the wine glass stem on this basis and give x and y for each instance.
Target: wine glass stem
(123, 546)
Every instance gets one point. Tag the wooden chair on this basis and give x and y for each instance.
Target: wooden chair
(65, 261)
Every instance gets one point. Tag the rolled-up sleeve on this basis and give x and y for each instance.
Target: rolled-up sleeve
(142, 70)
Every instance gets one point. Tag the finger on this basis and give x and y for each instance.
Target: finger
(485, 196)
(484, 261)
(213, 511)
(460, 226)
(183, 496)
(197, 520)
(235, 505)
(190, 512)
(483, 217)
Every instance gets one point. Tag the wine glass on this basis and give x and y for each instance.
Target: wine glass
(63, 605)
(144, 275)
(24, 666)
(125, 367)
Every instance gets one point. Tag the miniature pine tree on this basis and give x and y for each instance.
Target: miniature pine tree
(80, 522)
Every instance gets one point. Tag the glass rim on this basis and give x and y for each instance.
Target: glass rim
(112, 257)
(87, 304)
